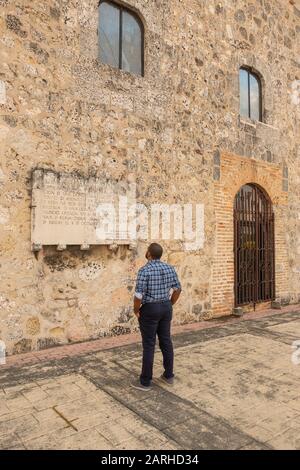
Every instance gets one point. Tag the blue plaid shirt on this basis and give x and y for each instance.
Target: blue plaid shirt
(154, 282)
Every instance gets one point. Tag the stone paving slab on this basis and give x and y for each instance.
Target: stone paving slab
(291, 329)
(236, 388)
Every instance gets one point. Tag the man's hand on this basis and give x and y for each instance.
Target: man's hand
(175, 296)
(136, 307)
(137, 314)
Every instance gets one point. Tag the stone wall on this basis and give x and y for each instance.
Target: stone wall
(61, 109)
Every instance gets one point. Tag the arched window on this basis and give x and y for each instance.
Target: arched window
(250, 95)
(121, 38)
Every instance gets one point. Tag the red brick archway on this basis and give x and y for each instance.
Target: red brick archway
(236, 171)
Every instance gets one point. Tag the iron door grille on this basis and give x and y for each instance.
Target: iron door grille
(254, 251)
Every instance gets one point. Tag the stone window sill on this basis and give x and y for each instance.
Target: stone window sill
(255, 124)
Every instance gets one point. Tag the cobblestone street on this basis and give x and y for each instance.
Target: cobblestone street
(236, 388)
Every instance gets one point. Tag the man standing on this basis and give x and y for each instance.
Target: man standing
(153, 306)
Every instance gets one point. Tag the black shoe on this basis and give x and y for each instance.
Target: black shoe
(138, 386)
(169, 381)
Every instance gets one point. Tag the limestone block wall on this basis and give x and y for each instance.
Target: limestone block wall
(61, 109)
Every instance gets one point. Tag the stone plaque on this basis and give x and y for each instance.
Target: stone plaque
(69, 209)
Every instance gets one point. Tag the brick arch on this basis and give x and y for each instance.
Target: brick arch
(236, 171)
(263, 185)
(259, 186)
(246, 171)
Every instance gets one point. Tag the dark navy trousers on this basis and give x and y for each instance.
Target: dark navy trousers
(155, 319)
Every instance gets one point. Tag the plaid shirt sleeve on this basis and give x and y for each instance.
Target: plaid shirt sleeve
(175, 282)
(141, 284)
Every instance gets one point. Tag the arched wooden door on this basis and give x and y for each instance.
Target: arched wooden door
(254, 255)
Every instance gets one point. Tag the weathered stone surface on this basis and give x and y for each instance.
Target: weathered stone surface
(197, 309)
(14, 24)
(76, 330)
(33, 326)
(45, 343)
(22, 346)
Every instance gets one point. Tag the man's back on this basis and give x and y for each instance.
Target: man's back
(155, 280)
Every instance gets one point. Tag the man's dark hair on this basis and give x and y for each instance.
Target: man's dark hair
(155, 250)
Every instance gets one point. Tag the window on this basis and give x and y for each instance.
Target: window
(121, 37)
(250, 95)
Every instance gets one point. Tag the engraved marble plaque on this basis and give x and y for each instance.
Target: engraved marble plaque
(69, 209)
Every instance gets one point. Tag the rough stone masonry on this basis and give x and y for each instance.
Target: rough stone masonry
(176, 130)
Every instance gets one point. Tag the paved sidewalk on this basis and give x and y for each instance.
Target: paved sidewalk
(236, 388)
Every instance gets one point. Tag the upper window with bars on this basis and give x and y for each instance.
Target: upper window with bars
(250, 95)
(121, 38)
